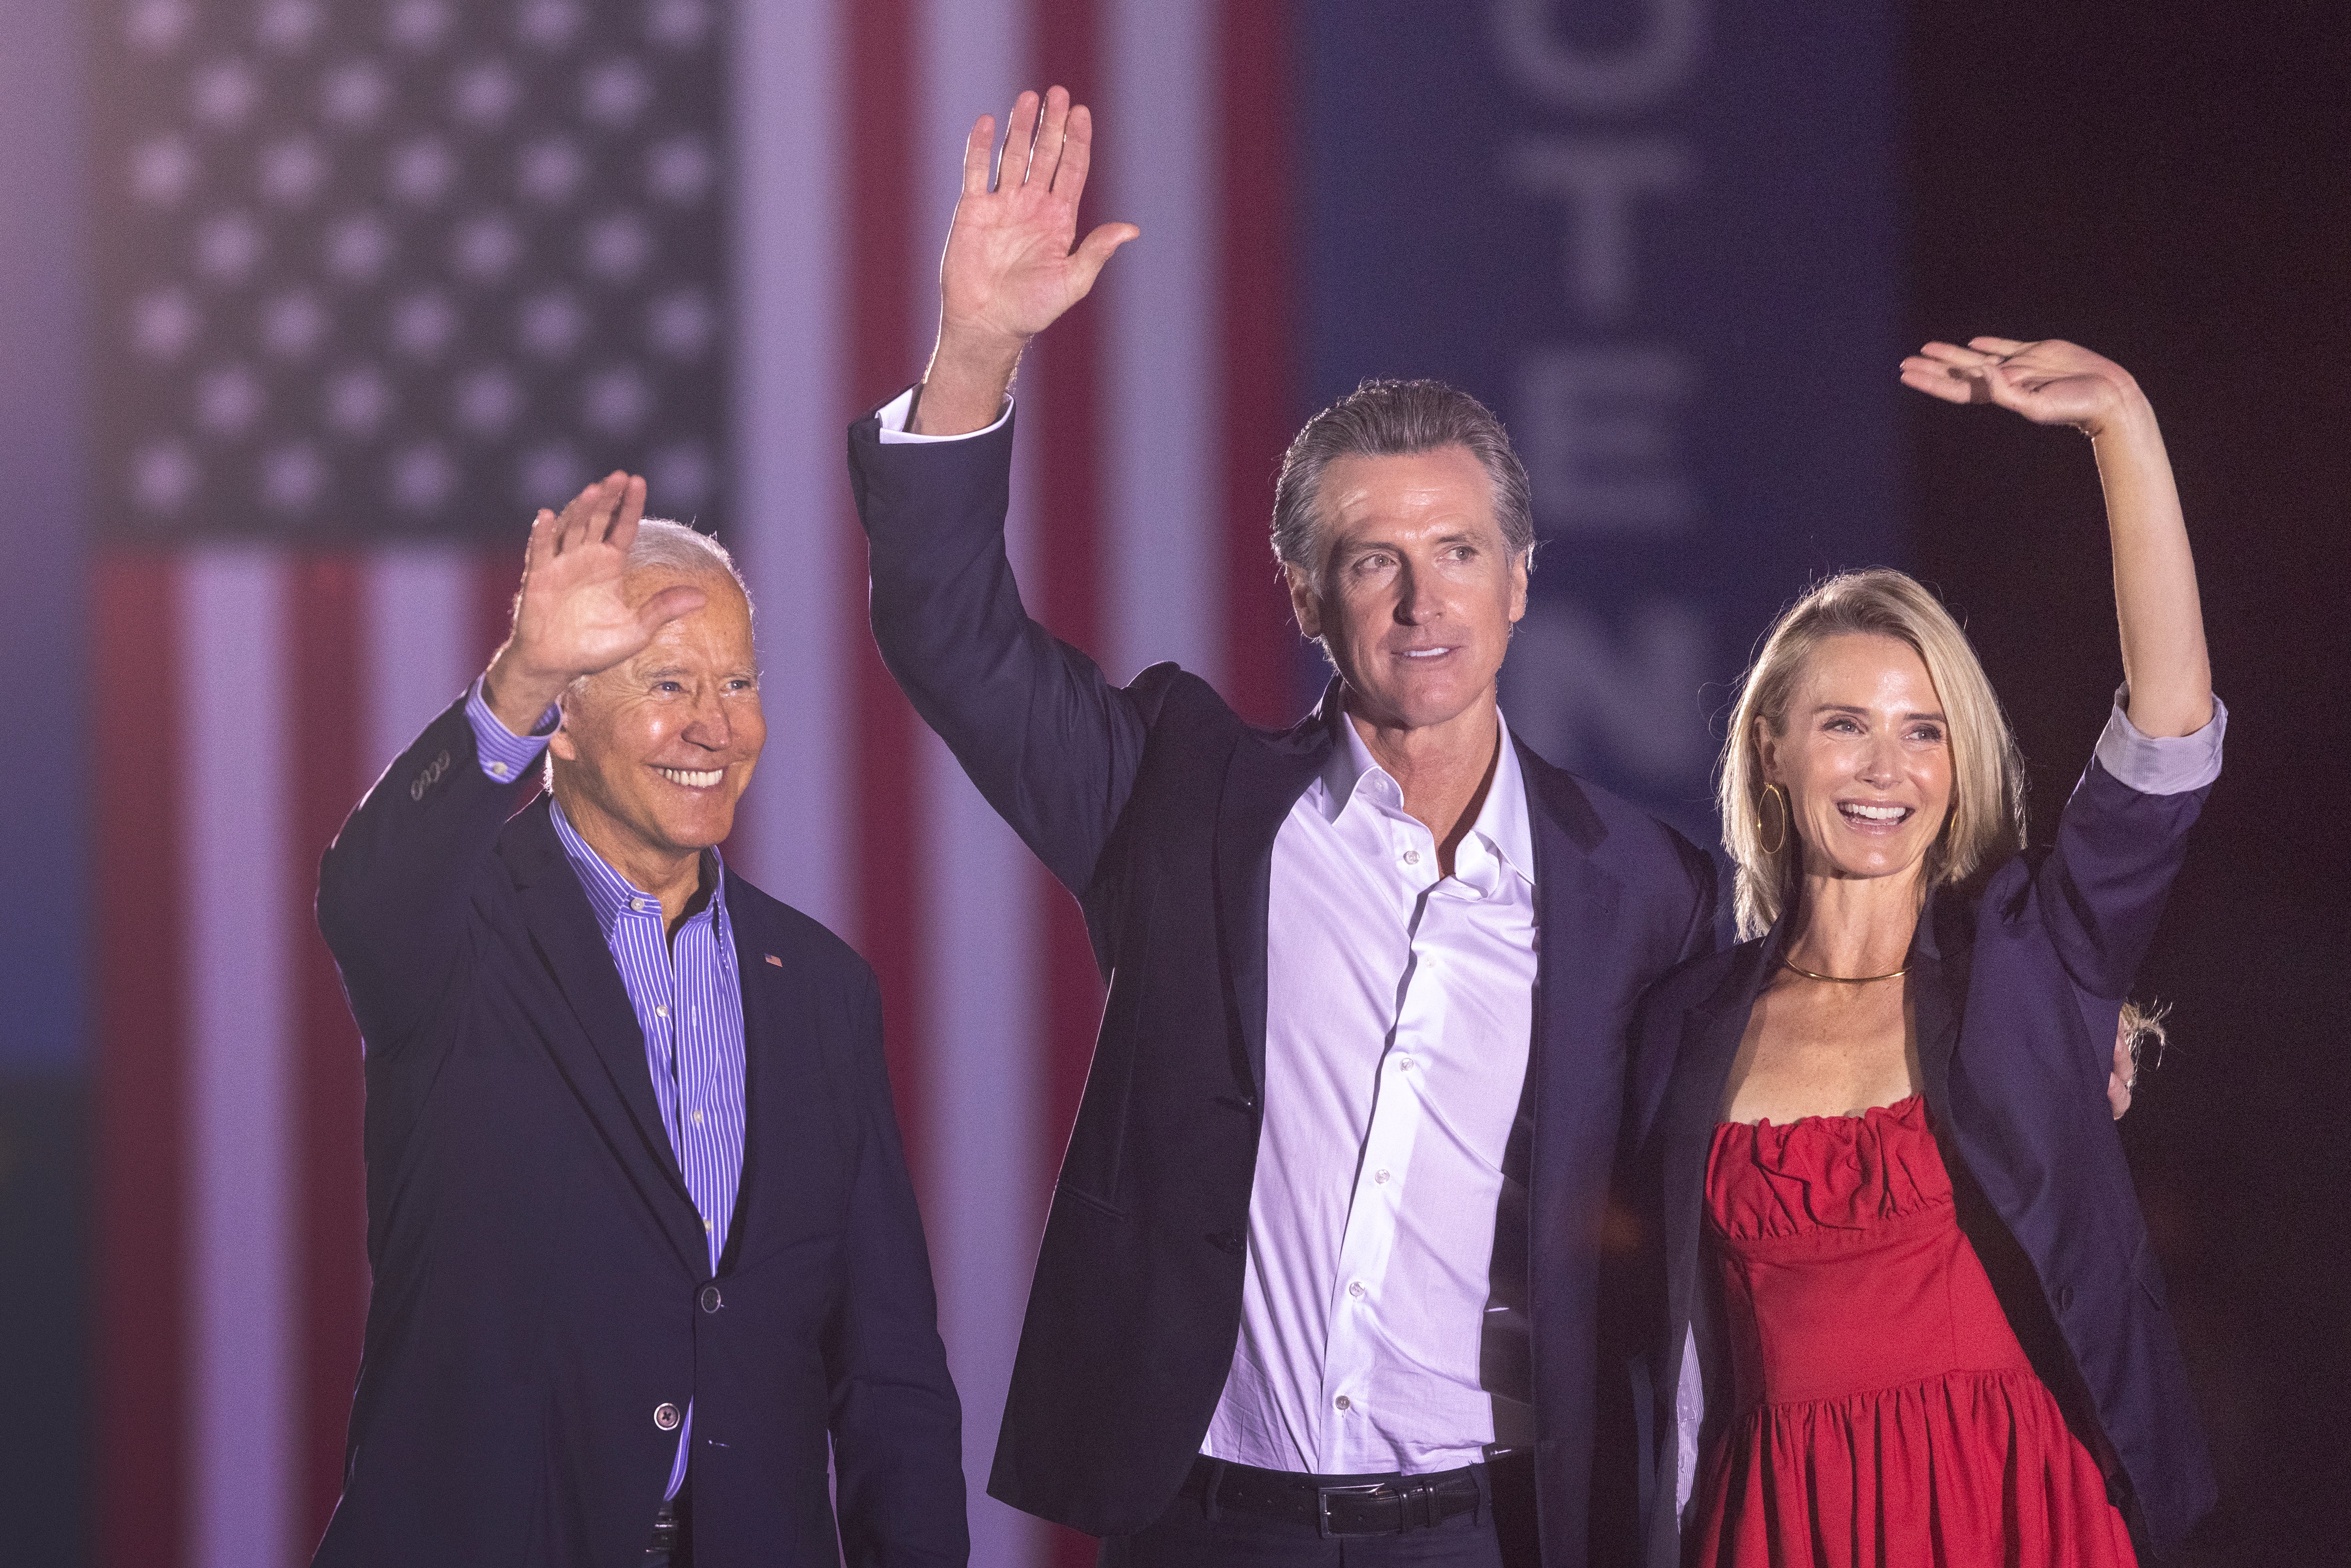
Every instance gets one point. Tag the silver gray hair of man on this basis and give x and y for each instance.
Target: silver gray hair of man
(1396, 419)
(664, 545)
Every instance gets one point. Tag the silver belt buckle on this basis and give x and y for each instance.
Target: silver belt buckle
(1322, 1496)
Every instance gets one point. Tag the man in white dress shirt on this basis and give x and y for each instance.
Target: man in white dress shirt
(1322, 1277)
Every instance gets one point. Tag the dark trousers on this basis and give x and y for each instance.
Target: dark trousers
(1192, 1534)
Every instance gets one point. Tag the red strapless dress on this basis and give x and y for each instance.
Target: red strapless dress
(1885, 1411)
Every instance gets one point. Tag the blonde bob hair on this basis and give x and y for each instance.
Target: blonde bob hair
(1986, 824)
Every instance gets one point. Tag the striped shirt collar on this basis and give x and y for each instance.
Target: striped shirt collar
(611, 894)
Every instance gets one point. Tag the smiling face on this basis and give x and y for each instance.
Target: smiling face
(1416, 589)
(654, 752)
(1865, 753)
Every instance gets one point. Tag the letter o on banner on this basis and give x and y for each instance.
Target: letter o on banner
(1617, 80)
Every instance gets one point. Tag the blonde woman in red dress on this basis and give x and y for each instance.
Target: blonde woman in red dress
(1910, 1313)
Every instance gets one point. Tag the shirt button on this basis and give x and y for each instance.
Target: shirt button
(1379, 1178)
(1356, 1289)
(498, 768)
(660, 1012)
(666, 1417)
(1412, 857)
(639, 905)
(1403, 1064)
(696, 1118)
(1341, 1403)
(705, 1228)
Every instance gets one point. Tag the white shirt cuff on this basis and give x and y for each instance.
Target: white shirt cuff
(2161, 765)
(896, 412)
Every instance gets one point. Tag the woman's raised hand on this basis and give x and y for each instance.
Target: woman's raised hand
(2049, 382)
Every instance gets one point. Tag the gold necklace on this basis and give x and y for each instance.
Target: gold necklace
(1847, 979)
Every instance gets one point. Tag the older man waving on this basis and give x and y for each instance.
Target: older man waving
(1321, 1274)
(645, 1253)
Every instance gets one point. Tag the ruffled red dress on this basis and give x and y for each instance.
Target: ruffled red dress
(1884, 1412)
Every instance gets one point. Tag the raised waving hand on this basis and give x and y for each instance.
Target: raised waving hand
(1013, 261)
(2156, 601)
(573, 617)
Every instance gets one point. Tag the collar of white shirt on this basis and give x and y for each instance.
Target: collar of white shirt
(1500, 839)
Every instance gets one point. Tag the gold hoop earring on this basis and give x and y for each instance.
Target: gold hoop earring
(1779, 797)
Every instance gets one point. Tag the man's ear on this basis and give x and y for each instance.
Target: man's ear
(1304, 603)
(561, 743)
(1520, 564)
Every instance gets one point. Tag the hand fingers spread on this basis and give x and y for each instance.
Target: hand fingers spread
(976, 148)
(1077, 154)
(1019, 140)
(1052, 133)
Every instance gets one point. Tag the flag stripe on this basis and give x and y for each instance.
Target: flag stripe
(1258, 349)
(419, 642)
(143, 1244)
(325, 766)
(240, 1030)
(889, 834)
(789, 523)
(1161, 581)
(982, 1200)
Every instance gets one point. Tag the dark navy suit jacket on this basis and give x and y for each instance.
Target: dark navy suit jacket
(2016, 986)
(540, 1273)
(1158, 807)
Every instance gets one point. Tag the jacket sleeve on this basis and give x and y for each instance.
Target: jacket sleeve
(897, 1426)
(2120, 840)
(393, 887)
(1050, 743)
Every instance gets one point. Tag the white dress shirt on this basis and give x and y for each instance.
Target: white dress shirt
(1400, 1006)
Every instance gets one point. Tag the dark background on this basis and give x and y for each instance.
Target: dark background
(2167, 184)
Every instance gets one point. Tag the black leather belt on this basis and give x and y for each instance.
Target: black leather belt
(1338, 1505)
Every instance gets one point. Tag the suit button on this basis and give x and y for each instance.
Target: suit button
(710, 1299)
(667, 1418)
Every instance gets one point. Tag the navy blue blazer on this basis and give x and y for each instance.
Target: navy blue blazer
(1158, 807)
(2015, 985)
(541, 1278)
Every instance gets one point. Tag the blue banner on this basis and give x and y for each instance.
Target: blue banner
(1660, 238)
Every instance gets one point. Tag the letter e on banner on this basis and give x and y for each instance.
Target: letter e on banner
(1595, 427)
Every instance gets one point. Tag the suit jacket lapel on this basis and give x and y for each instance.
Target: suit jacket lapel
(610, 1075)
(1577, 1059)
(1709, 1044)
(1939, 963)
(1263, 779)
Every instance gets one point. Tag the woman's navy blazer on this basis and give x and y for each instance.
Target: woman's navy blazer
(2015, 985)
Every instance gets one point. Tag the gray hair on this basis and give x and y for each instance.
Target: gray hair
(1397, 419)
(664, 545)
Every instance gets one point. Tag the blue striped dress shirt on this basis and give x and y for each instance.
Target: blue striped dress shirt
(688, 1000)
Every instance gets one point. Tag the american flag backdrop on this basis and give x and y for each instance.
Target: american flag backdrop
(377, 277)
